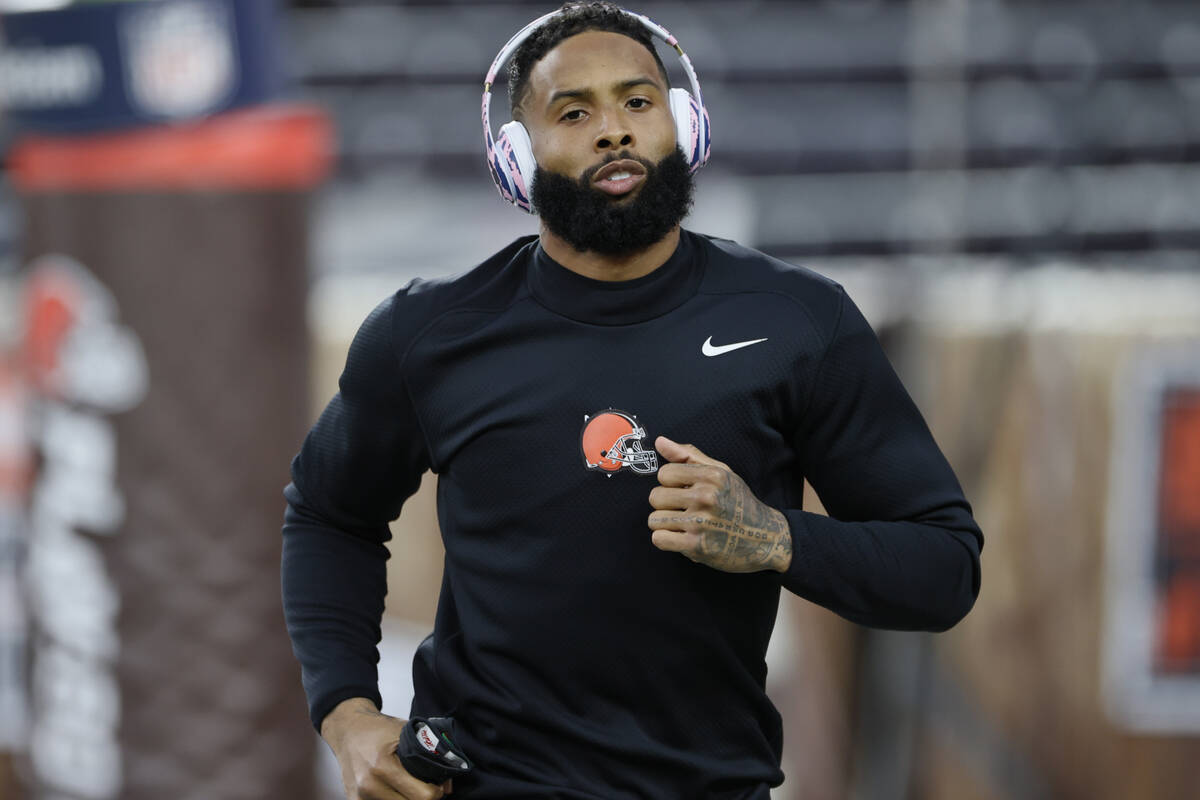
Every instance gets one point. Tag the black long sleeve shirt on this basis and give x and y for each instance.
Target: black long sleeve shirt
(579, 660)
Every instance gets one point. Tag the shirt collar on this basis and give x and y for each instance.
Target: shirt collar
(618, 302)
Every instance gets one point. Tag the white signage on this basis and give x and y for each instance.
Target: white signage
(84, 367)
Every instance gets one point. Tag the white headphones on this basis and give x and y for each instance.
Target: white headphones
(510, 156)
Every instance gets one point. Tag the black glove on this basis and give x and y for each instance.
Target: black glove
(427, 750)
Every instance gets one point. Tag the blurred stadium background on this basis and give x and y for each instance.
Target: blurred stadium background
(1010, 190)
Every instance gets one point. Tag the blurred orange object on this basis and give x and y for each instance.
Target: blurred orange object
(271, 147)
(1179, 525)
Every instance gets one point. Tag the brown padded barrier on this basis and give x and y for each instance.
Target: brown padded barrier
(213, 283)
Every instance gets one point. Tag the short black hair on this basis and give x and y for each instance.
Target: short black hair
(573, 18)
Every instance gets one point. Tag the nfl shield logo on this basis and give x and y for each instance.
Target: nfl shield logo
(179, 58)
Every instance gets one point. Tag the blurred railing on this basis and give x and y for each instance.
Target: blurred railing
(1065, 129)
(857, 126)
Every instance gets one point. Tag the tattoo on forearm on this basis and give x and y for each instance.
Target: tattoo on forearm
(742, 534)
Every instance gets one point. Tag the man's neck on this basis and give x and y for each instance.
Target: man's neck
(610, 268)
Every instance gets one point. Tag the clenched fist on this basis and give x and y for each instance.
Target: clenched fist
(364, 742)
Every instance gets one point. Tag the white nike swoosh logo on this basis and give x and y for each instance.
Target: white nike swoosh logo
(710, 349)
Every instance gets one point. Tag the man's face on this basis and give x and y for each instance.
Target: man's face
(596, 95)
(610, 178)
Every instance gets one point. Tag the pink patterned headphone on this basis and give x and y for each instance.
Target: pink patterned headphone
(510, 155)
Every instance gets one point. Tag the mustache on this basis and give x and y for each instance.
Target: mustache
(624, 155)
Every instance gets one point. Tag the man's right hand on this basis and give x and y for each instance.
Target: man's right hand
(364, 742)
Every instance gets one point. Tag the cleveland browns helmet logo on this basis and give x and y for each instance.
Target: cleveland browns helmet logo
(611, 440)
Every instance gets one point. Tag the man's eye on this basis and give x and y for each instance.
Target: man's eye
(573, 114)
(639, 102)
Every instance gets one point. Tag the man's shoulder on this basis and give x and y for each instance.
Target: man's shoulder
(463, 287)
(488, 287)
(734, 268)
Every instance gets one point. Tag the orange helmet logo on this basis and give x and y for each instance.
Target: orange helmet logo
(611, 440)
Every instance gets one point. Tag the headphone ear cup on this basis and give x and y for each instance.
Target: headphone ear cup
(691, 128)
(513, 159)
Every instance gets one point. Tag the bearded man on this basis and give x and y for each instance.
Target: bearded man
(621, 414)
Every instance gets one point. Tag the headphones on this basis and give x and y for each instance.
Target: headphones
(510, 155)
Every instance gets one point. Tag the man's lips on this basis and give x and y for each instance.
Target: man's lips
(619, 177)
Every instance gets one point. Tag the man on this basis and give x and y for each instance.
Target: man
(605, 606)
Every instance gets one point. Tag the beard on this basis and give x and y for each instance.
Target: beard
(589, 219)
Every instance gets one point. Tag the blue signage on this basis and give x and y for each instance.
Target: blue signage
(105, 66)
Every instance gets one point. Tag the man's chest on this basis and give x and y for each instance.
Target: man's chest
(531, 397)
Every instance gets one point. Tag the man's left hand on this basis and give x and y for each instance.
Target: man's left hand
(707, 513)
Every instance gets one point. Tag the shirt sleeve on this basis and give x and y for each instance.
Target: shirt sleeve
(900, 548)
(362, 459)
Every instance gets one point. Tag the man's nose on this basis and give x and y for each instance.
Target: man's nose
(614, 134)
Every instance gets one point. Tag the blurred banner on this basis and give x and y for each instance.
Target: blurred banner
(114, 65)
(161, 378)
(165, 351)
(1152, 636)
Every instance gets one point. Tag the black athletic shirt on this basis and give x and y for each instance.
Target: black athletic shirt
(579, 660)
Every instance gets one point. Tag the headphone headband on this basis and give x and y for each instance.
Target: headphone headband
(511, 176)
